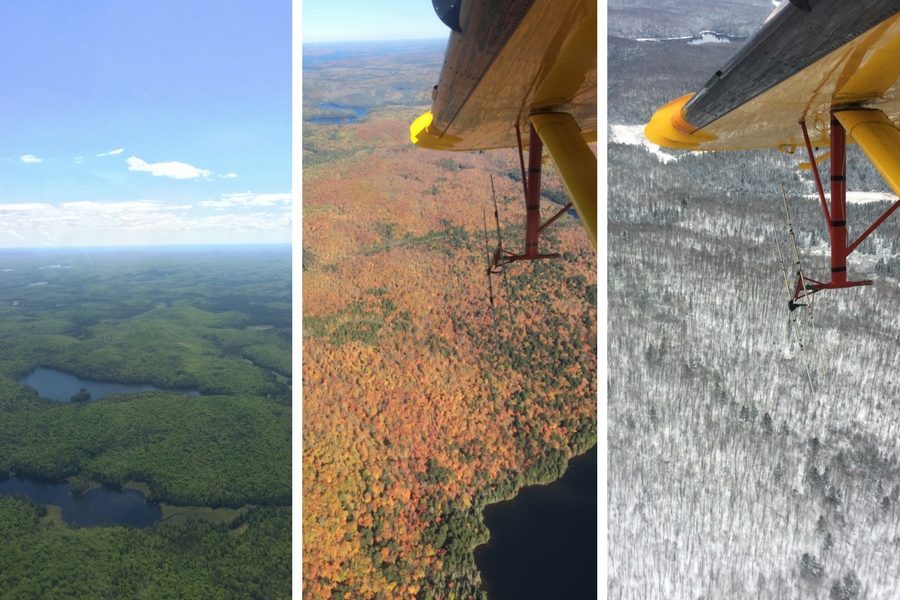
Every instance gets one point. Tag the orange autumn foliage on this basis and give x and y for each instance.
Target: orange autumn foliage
(416, 395)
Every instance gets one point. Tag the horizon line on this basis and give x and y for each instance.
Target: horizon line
(150, 246)
(379, 40)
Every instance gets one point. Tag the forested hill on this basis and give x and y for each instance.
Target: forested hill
(728, 478)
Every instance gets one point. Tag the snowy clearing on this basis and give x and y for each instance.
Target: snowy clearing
(704, 37)
(633, 135)
(710, 37)
(861, 197)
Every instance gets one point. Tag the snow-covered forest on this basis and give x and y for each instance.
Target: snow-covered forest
(728, 477)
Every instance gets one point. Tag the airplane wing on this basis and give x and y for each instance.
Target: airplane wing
(810, 59)
(818, 72)
(511, 63)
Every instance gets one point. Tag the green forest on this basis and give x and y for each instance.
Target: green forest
(199, 559)
(214, 321)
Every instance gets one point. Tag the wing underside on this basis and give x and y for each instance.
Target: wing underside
(512, 59)
(800, 66)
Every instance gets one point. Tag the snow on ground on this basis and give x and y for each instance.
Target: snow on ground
(862, 197)
(704, 37)
(709, 37)
(671, 39)
(879, 248)
(633, 135)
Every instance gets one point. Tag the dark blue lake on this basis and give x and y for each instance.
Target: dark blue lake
(343, 114)
(544, 541)
(60, 386)
(100, 506)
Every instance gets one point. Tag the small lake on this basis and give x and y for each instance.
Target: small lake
(344, 114)
(544, 541)
(99, 506)
(60, 386)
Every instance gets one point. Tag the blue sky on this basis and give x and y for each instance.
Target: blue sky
(145, 122)
(361, 20)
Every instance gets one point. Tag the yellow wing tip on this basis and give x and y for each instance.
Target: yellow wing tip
(421, 136)
(419, 127)
(668, 128)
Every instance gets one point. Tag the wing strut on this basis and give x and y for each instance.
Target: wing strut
(493, 261)
(794, 319)
(575, 162)
(578, 168)
(533, 227)
(801, 289)
(878, 147)
(487, 249)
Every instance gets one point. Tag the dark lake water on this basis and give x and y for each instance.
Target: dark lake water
(100, 506)
(544, 541)
(345, 114)
(61, 386)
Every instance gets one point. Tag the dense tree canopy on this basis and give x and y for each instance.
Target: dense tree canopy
(217, 322)
(422, 404)
(198, 559)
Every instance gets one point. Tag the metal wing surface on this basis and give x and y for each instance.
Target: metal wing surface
(509, 60)
(810, 58)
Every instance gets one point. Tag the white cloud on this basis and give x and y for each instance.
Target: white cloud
(228, 175)
(111, 152)
(31, 159)
(173, 169)
(139, 222)
(247, 199)
(20, 207)
(132, 206)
